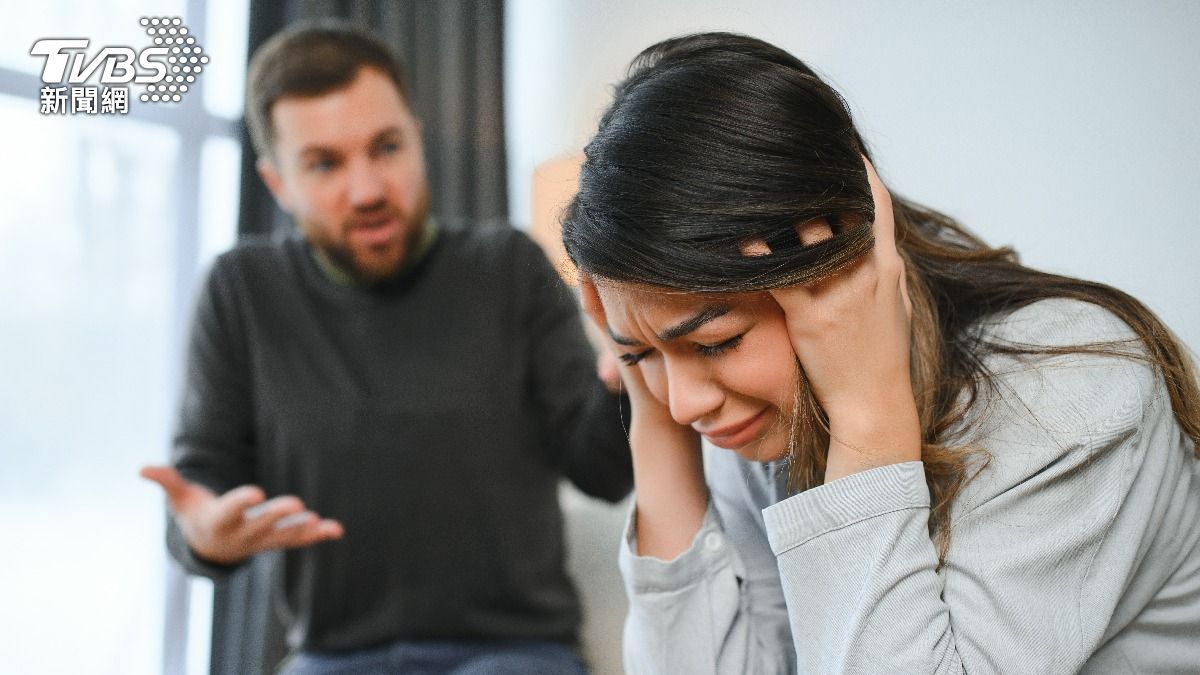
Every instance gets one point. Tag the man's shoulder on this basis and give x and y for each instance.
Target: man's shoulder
(486, 239)
(255, 257)
(256, 250)
(492, 247)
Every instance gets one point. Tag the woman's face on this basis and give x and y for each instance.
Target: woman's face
(722, 364)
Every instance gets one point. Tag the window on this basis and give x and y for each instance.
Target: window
(108, 222)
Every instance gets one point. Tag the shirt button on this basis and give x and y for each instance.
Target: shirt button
(713, 541)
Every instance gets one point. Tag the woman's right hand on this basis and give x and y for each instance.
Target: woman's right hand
(646, 408)
(668, 471)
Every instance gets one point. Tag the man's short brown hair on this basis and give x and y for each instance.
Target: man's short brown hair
(310, 59)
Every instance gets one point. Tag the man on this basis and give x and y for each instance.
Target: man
(390, 401)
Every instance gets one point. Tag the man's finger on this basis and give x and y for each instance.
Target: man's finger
(295, 520)
(232, 505)
(170, 480)
(306, 534)
(180, 491)
(260, 519)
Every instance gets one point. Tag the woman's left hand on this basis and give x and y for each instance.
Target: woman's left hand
(851, 335)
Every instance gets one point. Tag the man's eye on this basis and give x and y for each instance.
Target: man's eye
(389, 148)
(718, 349)
(632, 359)
(321, 165)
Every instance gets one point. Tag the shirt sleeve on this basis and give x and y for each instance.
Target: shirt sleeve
(717, 607)
(585, 433)
(1043, 542)
(213, 442)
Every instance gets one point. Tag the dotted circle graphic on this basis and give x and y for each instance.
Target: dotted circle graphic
(184, 60)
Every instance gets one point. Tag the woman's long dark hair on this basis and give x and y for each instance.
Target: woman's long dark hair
(716, 139)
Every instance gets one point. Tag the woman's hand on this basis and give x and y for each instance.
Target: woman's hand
(851, 334)
(668, 472)
(645, 408)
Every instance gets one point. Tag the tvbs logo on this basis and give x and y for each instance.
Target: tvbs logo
(116, 61)
(167, 69)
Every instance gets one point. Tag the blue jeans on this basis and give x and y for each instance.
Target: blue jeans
(466, 657)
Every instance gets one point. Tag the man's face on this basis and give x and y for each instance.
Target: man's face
(349, 166)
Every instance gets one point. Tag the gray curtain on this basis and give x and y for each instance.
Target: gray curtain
(452, 51)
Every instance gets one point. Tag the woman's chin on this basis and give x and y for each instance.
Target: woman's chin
(768, 449)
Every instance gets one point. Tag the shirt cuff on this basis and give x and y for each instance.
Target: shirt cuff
(187, 558)
(845, 501)
(709, 552)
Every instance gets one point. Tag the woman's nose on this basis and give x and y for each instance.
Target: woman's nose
(692, 393)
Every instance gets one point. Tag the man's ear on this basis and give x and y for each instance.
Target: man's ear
(270, 176)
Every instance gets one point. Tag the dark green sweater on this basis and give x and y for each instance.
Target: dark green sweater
(433, 417)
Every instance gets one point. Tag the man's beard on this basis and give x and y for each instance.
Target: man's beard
(369, 268)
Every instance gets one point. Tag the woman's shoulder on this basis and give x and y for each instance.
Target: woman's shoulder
(1044, 417)
(1055, 322)
(1106, 385)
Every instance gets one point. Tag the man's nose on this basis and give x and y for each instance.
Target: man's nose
(692, 393)
(367, 186)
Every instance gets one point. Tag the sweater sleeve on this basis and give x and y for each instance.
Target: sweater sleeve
(1043, 543)
(213, 440)
(585, 434)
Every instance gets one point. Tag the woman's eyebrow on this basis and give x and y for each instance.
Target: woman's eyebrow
(688, 325)
(678, 330)
(623, 341)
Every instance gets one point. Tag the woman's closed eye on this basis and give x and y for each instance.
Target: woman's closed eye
(711, 351)
(707, 351)
(632, 359)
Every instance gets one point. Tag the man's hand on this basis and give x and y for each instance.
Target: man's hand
(234, 526)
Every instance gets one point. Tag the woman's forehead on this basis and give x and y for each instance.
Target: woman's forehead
(625, 301)
(626, 293)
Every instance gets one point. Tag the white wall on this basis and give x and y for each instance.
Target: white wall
(1070, 132)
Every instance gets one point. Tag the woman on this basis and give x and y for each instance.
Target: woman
(942, 461)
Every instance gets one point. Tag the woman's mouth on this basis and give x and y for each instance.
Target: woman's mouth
(739, 434)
